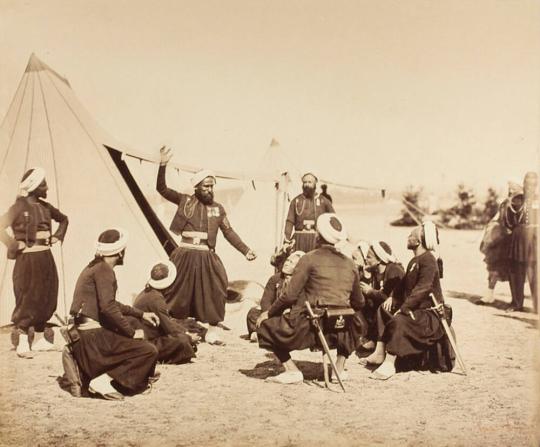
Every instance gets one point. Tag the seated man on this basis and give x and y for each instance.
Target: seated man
(108, 347)
(386, 274)
(408, 326)
(324, 277)
(173, 344)
(274, 288)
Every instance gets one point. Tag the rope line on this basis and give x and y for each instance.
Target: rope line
(55, 169)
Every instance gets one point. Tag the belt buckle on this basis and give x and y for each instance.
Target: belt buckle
(197, 240)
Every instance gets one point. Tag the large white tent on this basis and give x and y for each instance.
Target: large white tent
(47, 126)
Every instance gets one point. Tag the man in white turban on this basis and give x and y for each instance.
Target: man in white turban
(109, 348)
(300, 226)
(414, 326)
(200, 289)
(35, 278)
(324, 277)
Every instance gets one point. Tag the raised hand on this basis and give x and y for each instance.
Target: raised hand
(165, 154)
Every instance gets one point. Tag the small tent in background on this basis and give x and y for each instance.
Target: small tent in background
(47, 126)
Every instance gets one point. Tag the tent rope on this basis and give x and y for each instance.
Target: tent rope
(57, 186)
(30, 126)
(5, 264)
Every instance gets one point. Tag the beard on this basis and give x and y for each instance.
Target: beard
(207, 198)
(371, 268)
(412, 245)
(308, 191)
(40, 193)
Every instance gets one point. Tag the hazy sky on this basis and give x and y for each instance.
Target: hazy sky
(376, 92)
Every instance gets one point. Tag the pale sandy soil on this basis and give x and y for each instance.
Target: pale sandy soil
(222, 399)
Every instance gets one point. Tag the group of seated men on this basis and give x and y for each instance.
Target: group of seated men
(117, 346)
(396, 312)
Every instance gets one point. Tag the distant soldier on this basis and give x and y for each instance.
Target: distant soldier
(522, 218)
(324, 192)
(495, 245)
(200, 289)
(304, 211)
(35, 279)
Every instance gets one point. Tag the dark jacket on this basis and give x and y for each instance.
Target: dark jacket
(152, 300)
(192, 215)
(420, 281)
(95, 297)
(303, 209)
(391, 279)
(324, 277)
(26, 219)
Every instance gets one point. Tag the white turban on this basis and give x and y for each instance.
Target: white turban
(331, 229)
(311, 172)
(31, 182)
(382, 253)
(162, 275)
(199, 176)
(113, 247)
(431, 237)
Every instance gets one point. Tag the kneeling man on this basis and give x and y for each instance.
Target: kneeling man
(325, 277)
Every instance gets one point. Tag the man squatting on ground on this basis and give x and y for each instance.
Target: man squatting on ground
(35, 279)
(410, 327)
(200, 289)
(108, 347)
(386, 275)
(276, 286)
(324, 277)
(170, 338)
(304, 210)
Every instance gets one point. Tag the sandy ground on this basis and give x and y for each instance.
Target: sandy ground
(222, 399)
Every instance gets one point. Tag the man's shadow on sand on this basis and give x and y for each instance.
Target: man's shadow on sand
(497, 304)
(269, 368)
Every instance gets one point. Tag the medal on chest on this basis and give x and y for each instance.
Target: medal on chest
(212, 211)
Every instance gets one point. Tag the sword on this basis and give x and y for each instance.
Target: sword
(450, 336)
(324, 344)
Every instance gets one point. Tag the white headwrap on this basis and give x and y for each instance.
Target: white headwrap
(381, 253)
(112, 248)
(295, 254)
(31, 182)
(331, 229)
(515, 185)
(311, 172)
(430, 235)
(199, 176)
(163, 283)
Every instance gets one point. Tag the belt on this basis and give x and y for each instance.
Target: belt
(35, 248)
(195, 234)
(85, 323)
(189, 245)
(306, 231)
(194, 241)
